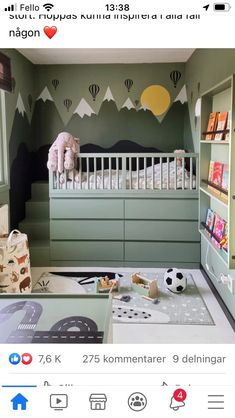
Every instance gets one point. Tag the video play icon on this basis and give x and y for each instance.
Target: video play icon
(59, 401)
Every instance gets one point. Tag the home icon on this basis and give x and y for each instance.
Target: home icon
(98, 401)
(19, 402)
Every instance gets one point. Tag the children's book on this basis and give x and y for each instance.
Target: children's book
(218, 230)
(224, 241)
(227, 135)
(221, 125)
(225, 176)
(212, 124)
(217, 174)
(211, 169)
(210, 217)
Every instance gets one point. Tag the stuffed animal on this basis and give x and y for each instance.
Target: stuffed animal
(179, 161)
(69, 159)
(63, 143)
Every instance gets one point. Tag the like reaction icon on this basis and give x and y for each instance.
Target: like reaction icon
(25, 358)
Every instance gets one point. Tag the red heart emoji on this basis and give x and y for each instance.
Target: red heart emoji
(50, 32)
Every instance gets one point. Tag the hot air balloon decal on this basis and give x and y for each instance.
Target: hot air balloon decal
(128, 83)
(175, 77)
(13, 84)
(55, 83)
(67, 103)
(30, 102)
(94, 90)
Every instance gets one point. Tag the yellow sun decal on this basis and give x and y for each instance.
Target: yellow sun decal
(156, 98)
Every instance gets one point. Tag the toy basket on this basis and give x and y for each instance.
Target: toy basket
(15, 273)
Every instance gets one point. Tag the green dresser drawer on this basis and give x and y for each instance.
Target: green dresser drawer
(87, 230)
(86, 208)
(161, 209)
(162, 252)
(162, 231)
(87, 250)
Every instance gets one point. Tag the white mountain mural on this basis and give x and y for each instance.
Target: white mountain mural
(84, 109)
(128, 104)
(20, 105)
(182, 96)
(108, 95)
(45, 95)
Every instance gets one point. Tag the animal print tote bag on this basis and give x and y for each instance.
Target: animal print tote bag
(15, 274)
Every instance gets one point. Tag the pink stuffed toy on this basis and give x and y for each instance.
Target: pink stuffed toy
(57, 153)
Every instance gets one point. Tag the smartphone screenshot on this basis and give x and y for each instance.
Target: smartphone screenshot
(117, 209)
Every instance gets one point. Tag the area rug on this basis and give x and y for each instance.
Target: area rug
(187, 308)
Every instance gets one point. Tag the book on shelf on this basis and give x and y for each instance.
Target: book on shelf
(215, 175)
(210, 217)
(218, 230)
(210, 172)
(229, 120)
(224, 241)
(221, 126)
(211, 126)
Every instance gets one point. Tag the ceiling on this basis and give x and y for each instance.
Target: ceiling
(106, 55)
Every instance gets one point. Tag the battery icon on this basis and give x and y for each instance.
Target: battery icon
(222, 7)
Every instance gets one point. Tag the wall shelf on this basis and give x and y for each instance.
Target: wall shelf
(213, 142)
(204, 189)
(220, 98)
(220, 253)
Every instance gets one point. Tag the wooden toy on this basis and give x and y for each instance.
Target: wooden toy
(144, 286)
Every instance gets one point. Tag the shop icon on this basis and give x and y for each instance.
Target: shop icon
(98, 401)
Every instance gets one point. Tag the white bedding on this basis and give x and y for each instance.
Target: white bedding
(114, 181)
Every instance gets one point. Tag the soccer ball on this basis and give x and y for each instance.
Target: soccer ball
(175, 280)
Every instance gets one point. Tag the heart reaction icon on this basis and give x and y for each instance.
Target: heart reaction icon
(26, 358)
(50, 31)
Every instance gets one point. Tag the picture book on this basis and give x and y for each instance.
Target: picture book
(224, 241)
(218, 230)
(217, 174)
(227, 135)
(212, 124)
(221, 125)
(210, 172)
(210, 217)
(225, 177)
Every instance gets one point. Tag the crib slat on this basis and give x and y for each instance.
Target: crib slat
(73, 180)
(191, 173)
(138, 172)
(176, 172)
(145, 174)
(117, 173)
(183, 173)
(95, 173)
(124, 173)
(80, 172)
(110, 173)
(160, 173)
(152, 173)
(167, 173)
(102, 171)
(130, 173)
(197, 171)
(58, 179)
(87, 173)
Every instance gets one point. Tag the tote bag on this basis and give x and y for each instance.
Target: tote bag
(15, 273)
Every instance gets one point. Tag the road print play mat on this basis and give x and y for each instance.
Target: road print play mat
(53, 318)
(183, 309)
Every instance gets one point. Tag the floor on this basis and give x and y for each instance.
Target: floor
(221, 333)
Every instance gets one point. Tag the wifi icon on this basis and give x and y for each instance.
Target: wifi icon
(48, 6)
